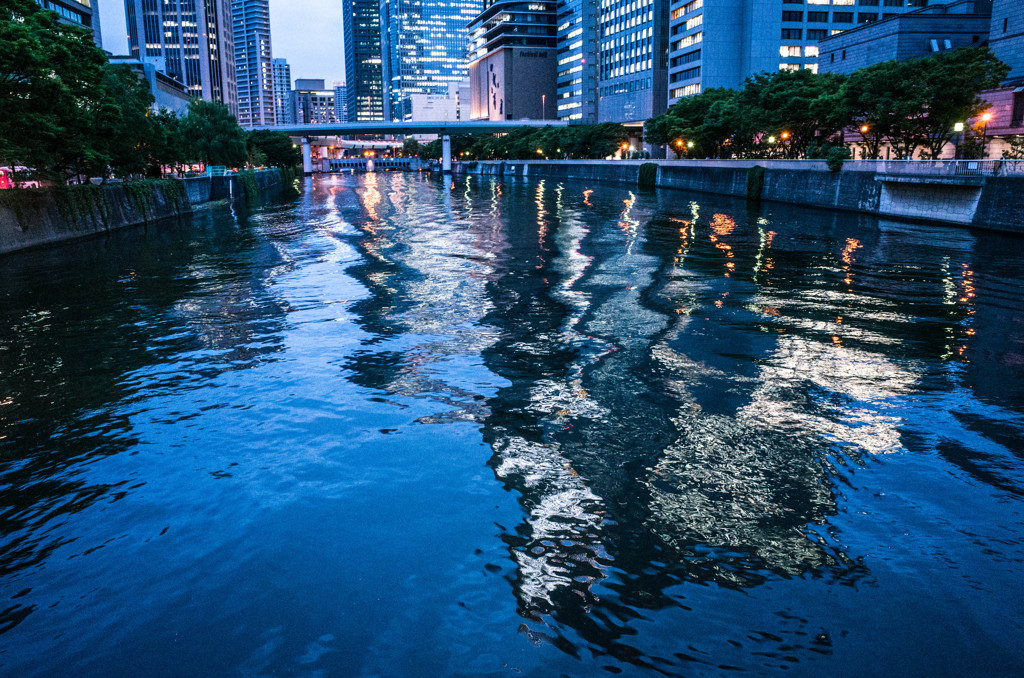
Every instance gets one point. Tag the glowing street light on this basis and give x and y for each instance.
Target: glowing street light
(863, 129)
(785, 135)
(984, 131)
(771, 140)
(689, 144)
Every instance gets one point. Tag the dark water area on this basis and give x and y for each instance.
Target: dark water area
(399, 427)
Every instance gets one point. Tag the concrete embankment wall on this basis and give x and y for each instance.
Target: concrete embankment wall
(37, 217)
(995, 203)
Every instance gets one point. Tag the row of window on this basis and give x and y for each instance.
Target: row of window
(819, 17)
(813, 34)
(687, 74)
(625, 87)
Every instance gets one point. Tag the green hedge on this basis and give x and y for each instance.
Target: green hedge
(755, 182)
(647, 179)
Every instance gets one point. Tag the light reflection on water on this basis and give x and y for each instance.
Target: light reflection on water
(395, 427)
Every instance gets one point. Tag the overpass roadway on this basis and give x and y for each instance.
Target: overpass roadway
(443, 128)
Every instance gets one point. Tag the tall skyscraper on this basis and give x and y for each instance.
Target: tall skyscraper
(365, 88)
(341, 102)
(84, 13)
(423, 49)
(577, 60)
(632, 60)
(253, 62)
(726, 41)
(194, 37)
(283, 112)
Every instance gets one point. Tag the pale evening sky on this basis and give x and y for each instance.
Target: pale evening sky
(307, 33)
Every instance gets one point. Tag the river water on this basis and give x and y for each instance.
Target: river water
(395, 427)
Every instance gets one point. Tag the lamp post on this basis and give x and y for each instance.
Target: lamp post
(984, 130)
(959, 129)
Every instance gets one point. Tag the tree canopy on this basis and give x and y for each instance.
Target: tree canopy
(574, 141)
(913, 105)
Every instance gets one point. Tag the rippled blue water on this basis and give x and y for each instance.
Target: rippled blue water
(399, 428)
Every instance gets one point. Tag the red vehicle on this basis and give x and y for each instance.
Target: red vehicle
(5, 178)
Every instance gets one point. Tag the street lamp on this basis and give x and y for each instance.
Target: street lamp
(959, 129)
(984, 130)
(771, 140)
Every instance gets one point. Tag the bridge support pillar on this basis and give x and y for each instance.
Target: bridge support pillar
(307, 157)
(446, 154)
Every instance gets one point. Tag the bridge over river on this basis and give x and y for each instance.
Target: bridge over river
(443, 128)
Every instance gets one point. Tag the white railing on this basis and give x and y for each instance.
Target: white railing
(947, 168)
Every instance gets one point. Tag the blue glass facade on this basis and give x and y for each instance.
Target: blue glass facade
(423, 49)
(577, 60)
(254, 72)
(364, 84)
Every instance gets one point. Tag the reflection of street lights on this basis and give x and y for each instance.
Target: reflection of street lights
(543, 106)
(959, 129)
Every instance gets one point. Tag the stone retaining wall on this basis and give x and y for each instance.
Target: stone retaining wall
(995, 203)
(38, 217)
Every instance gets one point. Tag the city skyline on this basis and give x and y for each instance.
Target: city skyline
(312, 45)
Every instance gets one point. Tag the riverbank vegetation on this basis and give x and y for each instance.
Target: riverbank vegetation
(68, 114)
(539, 143)
(910, 105)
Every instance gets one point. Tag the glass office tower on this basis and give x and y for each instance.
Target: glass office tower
(576, 73)
(632, 59)
(254, 73)
(283, 114)
(423, 49)
(365, 88)
(194, 38)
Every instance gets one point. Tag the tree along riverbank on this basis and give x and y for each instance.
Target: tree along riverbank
(46, 216)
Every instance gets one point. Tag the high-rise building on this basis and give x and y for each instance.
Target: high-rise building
(719, 43)
(313, 103)
(365, 88)
(423, 49)
(632, 58)
(921, 33)
(341, 102)
(512, 57)
(283, 113)
(576, 74)
(1006, 37)
(84, 13)
(195, 39)
(253, 62)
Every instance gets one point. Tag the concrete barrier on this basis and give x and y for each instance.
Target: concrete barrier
(903, 190)
(37, 217)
